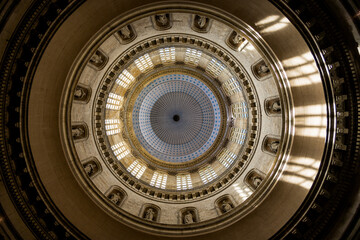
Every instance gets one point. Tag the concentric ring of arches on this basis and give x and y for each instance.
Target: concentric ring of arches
(125, 144)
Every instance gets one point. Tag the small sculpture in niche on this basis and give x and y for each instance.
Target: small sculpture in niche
(236, 41)
(261, 69)
(188, 217)
(271, 145)
(273, 106)
(226, 206)
(116, 197)
(201, 23)
(149, 214)
(81, 94)
(254, 178)
(98, 60)
(91, 168)
(126, 34)
(162, 21)
(78, 131)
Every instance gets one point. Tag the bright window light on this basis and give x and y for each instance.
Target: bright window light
(240, 110)
(183, 182)
(207, 174)
(215, 67)
(124, 79)
(144, 62)
(192, 56)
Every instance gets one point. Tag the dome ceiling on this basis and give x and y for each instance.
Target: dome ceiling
(177, 116)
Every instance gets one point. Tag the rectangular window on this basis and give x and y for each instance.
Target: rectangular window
(215, 67)
(239, 110)
(136, 169)
(167, 55)
(231, 87)
(226, 157)
(120, 150)
(159, 180)
(238, 135)
(207, 174)
(114, 101)
(144, 62)
(124, 79)
(183, 182)
(112, 126)
(192, 56)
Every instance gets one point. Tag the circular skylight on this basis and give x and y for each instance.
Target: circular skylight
(176, 118)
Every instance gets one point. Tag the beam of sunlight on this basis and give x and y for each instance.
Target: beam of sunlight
(268, 20)
(301, 171)
(275, 26)
(311, 120)
(302, 70)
